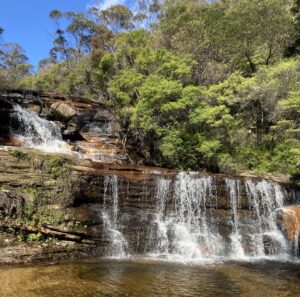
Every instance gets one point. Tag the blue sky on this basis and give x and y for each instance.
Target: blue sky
(27, 23)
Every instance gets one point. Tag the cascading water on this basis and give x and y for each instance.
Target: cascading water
(187, 226)
(162, 191)
(183, 230)
(38, 133)
(194, 232)
(264, 198)
(118, 244)
(233, 187)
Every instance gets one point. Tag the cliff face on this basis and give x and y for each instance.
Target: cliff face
(53, 207)
(87, 202)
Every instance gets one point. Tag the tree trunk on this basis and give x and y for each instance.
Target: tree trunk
(251, 64)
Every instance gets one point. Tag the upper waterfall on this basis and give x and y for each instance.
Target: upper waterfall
(53, 123)
(36, 132)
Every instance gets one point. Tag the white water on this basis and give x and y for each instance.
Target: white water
(264, 198)
(187, 231)
(39, 133)
(195, 235)
(118, 244)
(186, 225)
(233, 187)
(163, 188)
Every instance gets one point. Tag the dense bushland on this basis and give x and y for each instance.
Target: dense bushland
(196, 84)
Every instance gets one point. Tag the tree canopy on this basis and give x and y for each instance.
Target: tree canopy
(13, 64)
(210, 85)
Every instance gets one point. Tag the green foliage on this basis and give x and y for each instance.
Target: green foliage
(13, 65)
(56, 167)
(80, 81)
(264, 40)
(19, 154)
(206, 87)
(34, 236)
(239, 34)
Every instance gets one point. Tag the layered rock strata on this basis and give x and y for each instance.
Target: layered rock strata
(55, 203)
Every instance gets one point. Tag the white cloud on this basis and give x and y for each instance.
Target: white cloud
(103, 4)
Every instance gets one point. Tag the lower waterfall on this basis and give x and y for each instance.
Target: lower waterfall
(184, 231)
(233, 188)
(119, 245)
(187, 225)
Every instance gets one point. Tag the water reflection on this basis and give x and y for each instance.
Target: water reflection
(143, 278)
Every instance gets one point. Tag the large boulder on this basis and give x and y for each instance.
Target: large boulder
(288, 220)
(63, 111)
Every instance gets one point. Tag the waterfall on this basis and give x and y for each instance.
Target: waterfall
(110, 215)
(233, 187)
(264, 197)
(187, 223)
(38, 133)
(163, 242)
(183, 230)
(195, 234)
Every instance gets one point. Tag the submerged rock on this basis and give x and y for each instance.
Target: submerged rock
(272, 244)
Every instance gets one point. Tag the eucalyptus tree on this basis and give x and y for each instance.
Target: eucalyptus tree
(295, 47)
(257, 31)
(13, 64)
(75, 39)
(117, 17)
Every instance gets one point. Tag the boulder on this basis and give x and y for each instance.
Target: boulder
(288, 220)
(63, 111)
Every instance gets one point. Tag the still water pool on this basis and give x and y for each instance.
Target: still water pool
(151, 278)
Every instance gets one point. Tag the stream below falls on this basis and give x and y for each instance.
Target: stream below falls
(152, 278)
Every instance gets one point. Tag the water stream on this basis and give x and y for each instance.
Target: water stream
(151, 279)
